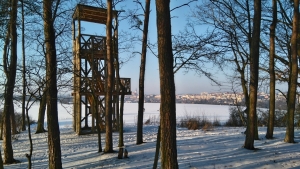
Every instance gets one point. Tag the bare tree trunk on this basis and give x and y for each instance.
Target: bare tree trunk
(139, 135)
(119, 109)
(251, 30)
(250, 43)
(28, 156)
(117, 71)
(167, 86)
(109, 80)
(271, 118)
(10, 84)
(293, 76)
(5, 60)
(157, 148)
(52, 114)
(96, 107)
(41, 117)
(121, 140)
(23, 70)
(254, 65)
(13, 119)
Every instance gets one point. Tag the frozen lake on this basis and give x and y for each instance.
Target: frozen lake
(221, 112)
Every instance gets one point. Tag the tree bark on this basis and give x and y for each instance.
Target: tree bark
(293, 76)
(271, 119)
(13, 119)
(5, 60)
(167, 86)
(117, 71)
(250, 38)
(109, 81)
(254, 65)
(28, 156)
(52, 114)
(95, 111)
(10, 84)
(157, 149)
(41, 117)
(23, 69)
(121, 136)
(139, 135)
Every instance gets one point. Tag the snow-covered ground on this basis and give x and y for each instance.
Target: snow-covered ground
(220, 147)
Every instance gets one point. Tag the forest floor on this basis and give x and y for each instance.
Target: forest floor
(219, 147)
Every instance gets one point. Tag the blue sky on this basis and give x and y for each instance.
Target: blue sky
(186, 83)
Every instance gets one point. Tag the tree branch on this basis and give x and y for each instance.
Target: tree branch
(186, 4)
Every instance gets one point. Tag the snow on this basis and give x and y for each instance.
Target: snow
(221, 112)
(220, 147)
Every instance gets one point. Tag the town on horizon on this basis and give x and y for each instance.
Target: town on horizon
(226, 98)
(216, 98)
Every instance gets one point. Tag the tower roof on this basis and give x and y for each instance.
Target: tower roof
(91, 14)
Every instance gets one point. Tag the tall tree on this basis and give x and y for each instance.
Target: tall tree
(232, 23)
(139, 135)
(254, 66)
(23, 67)
(10, 66)
(109, 80)
(167, 86)
(271, 117)
(35, 42)
(293, 76)
(51, 85)
(5, 60)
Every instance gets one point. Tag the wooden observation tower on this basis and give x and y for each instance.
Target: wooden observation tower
(90, 71)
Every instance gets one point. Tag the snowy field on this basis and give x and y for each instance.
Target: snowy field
(217, 148)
